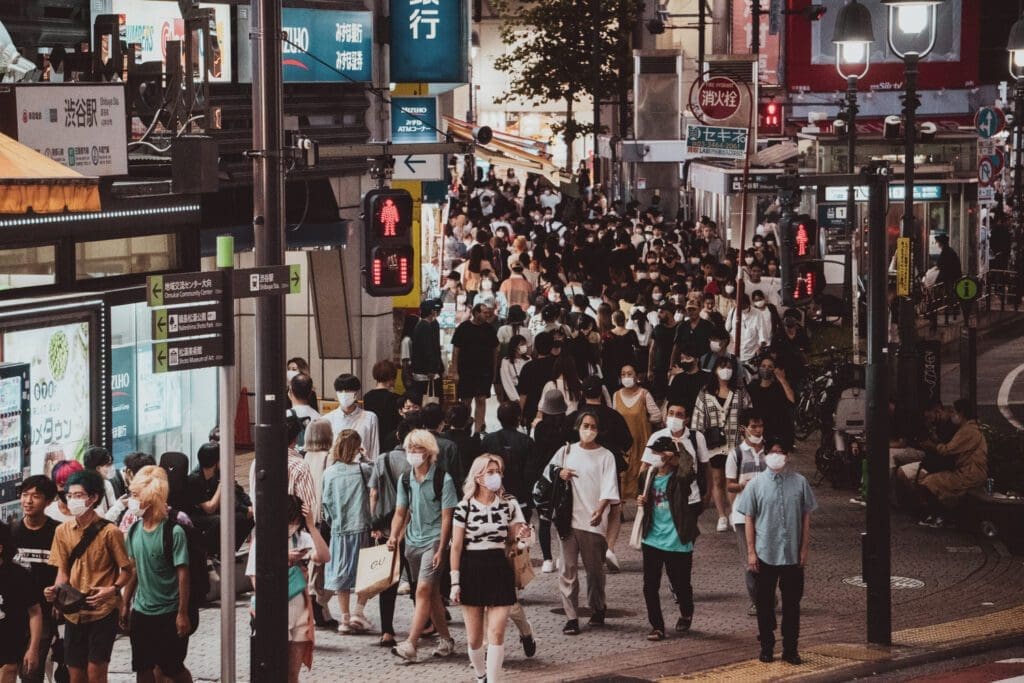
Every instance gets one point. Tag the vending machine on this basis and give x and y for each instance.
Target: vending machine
(15, 435)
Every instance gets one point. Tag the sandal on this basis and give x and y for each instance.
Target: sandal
(387, 640)
(656, 634)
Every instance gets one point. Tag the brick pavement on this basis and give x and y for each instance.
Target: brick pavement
(963, 575)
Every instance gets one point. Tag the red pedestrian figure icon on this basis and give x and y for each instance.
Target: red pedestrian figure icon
(389, 218)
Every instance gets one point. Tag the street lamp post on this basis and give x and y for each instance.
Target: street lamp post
(911, 36)
(853, 38)
(1015, 46)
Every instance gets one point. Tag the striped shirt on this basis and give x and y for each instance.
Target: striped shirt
(300, 481)
(708, 412)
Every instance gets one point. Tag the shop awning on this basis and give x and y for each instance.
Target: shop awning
(30, 181)
(509, 151)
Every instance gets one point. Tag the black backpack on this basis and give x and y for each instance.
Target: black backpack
(198, 573)
(439, 473)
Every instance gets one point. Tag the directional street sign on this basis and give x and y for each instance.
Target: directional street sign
(966, 289)
(419, 167)
(989, 121)
(184, 288)
(191, 321)
(267, 281)
(986, 172)
(189, 354)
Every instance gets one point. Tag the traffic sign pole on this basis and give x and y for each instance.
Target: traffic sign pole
(226, 421)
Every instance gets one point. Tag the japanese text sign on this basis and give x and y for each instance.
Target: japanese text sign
(342, 39)
(413, 119)
(718, 98)
(716, 141)
(429, 41)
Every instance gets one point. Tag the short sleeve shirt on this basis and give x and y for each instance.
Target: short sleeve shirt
(741, 465)
(157, 590)
(97, 568)
(487, 526)
(663, 534)
(425, 511)
(476, 344)
(777, 501)
(33, 550)
(18, 593)
(686, 444)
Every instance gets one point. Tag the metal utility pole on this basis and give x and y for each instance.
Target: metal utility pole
(907, 356)
(851, 200)
(702, 26)
(595, 57)
(270, 656)
(876, 541)
(1017, 248)
(755, 18)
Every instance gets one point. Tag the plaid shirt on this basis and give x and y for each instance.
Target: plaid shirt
(707, 412)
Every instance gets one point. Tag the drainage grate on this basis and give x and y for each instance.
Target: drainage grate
(895, 582)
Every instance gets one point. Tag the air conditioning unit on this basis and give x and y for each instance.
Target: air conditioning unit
(742, 69)
(657, 85)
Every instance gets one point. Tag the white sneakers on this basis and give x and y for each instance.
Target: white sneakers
(611, 560)
(548, 567)
(404, 588)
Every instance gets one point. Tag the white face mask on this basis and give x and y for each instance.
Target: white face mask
(587, 435)
(628, 382)
(105, 471)
(523, 349)
(291, 374)
(724, 374)
(716, 346)
(678, 317)
(492, 481)
(414, 459)
(760, 304)
(346, 399)
(135, 507)
(729, 289)
(675, 424)
(756, 440)
(657, 296)
(775, 461)
(704, 315)
(77, 506)
(486, 285)
(748, 260)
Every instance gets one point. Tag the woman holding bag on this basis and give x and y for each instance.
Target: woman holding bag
(346, 503)
(666, 525)
(485, 522)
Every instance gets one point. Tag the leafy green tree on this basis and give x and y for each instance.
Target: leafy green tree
(565, 50)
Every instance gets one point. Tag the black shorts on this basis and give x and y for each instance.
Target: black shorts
(155, 642)
(90, 642)
(474, 386)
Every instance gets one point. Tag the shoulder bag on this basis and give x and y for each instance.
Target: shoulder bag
(636, 537)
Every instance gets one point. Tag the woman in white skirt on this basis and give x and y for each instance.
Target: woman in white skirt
(482, 578)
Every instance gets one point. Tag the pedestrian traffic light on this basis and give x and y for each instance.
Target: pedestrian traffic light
(387, 240)
(770, 119)
(803, 274)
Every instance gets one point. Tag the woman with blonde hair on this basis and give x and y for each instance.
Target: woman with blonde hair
(319, 437)
(346, 507)
(484, 522)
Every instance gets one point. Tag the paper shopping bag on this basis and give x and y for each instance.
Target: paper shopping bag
(378, 570)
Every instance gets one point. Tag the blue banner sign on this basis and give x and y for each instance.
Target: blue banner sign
(429, 41)
(342, 39)
(413, 119)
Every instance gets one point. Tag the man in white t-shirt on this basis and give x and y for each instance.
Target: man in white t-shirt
(742, 464)
(590, 468)
(691, 443)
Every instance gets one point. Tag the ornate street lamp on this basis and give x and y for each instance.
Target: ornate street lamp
(911, 37)
(853, 37)
(1015, 46)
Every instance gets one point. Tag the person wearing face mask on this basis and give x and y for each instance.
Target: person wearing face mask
(668, 532)
(716, 414)
(590, 470)
(659, 356)
(475, 361)
(300, 391)
(744, 463)
(203, 492)
(688, 382)
(99, 460)
(516, 357)
(101, 571)
(768, 311)
(694, 331)
(423, 517)
(156, 602)
(964, 466)
(350, 415)
(483, 582)
(770, 286)
(620, 349)
(777, 506)
(774, 398)
(755, 334)
(640, 411)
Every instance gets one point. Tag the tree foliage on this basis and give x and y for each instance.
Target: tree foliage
(565, 50)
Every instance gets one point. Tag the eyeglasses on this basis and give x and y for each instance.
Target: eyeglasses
(77, 496)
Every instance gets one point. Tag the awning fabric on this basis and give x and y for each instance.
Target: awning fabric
(508, 151)
(31, 181)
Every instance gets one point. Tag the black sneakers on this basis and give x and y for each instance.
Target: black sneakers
(571, 628)
(529, 645)
(597, 618)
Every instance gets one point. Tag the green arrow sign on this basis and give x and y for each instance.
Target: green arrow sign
(184, 288)
(159, 357)
(267, 281)
(966, 289)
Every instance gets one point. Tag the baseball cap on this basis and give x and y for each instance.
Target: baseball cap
(592, 387)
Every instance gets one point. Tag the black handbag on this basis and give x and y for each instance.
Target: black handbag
(714, 437)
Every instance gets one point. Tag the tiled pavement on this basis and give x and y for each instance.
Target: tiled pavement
(963, 575)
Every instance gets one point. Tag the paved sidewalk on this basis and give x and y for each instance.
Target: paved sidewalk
(955, 575)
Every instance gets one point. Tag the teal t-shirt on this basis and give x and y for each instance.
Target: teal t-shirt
(662, 534)
(425, 524)
(157, 590)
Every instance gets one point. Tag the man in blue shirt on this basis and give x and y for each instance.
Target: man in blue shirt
(777, 506)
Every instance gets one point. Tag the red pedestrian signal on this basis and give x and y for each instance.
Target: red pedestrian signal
(389, 254)
(803, 273)
(770, 119)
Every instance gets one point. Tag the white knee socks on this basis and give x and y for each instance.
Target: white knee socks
(495, 659)
(476, 658)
